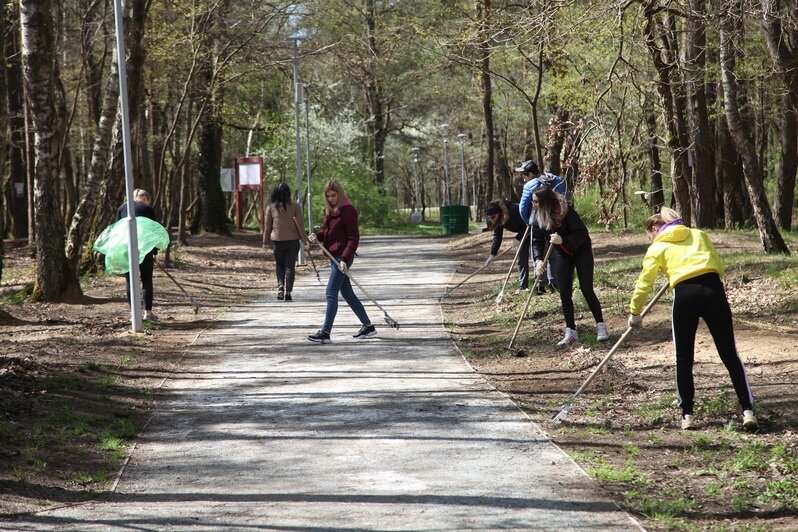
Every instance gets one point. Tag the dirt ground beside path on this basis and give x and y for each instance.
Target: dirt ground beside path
(76, 386)
(622, 429)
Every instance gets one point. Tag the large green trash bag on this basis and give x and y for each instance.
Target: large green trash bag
(112, 243)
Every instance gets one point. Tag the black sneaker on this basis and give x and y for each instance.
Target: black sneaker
(320, 337)
(288, 297)
(367, 331)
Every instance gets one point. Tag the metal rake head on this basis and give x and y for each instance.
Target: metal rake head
(559, 418)
(392, 322)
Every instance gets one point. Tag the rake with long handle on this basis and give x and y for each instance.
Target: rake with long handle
(193, 303)
(529, 297)
(509, 271)
(389, 320)
(304, 238)
(458, 285)
(564, 412)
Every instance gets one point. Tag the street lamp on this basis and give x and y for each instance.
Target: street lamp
(295, 39)
(309, 205)
(446, 194)
(463, 199)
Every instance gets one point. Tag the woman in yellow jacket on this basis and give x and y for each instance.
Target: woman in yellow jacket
(693, 268)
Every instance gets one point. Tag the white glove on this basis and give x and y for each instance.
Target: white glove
(540, 268)
(343, 267)
(635, 321)
(556, 239)
(490, 259)
(312, 238)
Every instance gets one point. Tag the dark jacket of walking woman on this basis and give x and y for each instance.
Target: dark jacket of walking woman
(693, 267)
(503, 215)
(340, 234)
(556, 221)
(281, 232)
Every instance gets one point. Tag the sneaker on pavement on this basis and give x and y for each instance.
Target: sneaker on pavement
(749, 420)
(320, 337)
(367, 331)
(602, 334)
(688, 422)
(570, 338)
(288, 297)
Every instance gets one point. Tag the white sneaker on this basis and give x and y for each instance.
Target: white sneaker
(688, 422)
(570, 337)
(149, 316)
(749, 420)
(602, 334)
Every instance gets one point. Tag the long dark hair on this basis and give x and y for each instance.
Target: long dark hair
(551, 208)
(281, 196)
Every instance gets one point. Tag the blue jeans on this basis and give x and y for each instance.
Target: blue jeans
(340, 283)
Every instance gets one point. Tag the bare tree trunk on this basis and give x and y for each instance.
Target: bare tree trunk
(483, 15)
(703, 168)
(17, 133)
(656, 195)
(782, 47)
(3, 124)
(768, 232)
(665, 63)
(556, 139)
(54, 279)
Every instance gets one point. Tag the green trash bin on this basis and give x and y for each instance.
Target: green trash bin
(454, 219)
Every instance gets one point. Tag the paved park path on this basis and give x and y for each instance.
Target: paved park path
(394, 432)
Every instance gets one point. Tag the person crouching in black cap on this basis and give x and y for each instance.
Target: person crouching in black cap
(501, 215)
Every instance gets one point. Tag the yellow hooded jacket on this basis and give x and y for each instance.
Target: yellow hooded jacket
(681, 253)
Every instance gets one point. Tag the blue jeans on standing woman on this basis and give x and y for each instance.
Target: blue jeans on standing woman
(340, 283)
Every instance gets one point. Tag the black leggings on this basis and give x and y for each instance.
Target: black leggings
(564, 266)
(145, 268)
(705, 297)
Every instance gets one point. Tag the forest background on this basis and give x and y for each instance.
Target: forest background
(688, 103)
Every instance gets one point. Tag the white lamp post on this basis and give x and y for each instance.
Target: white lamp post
(309, 205)
(446, 193)
(463, 198)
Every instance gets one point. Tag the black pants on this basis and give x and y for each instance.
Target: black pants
(523, 263)
(285, 255)
(704, 297)
(145, 268)
(564, 266)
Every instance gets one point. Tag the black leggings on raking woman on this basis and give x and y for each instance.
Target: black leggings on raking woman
(564, 266)
(705, 297)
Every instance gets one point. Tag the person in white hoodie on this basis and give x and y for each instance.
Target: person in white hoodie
(693, 267)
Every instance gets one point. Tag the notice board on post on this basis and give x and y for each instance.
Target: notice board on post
(249, 176)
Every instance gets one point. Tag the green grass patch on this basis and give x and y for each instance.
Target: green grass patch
(611, 473)
(16, 297)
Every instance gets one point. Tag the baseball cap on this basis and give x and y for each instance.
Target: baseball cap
(528, 167)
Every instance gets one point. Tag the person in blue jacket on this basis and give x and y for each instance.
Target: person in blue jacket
(534, 179)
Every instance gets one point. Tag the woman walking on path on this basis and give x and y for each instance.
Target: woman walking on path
(341, 236)
(693, 267)
(503, 215)
(280, 230)
(142, 208)
(556, 221)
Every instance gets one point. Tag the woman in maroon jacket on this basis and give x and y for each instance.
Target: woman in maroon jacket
(340, 235)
